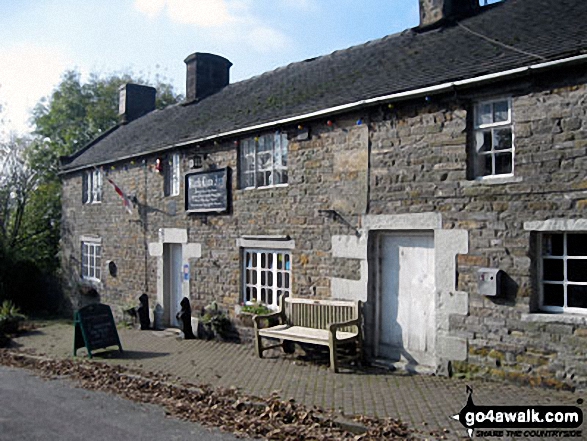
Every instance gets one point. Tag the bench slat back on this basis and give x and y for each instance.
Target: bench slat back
(318, 314)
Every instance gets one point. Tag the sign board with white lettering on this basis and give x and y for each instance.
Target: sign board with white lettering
(207, 191)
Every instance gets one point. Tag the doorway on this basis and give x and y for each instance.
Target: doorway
(172, 282)
(405, 315)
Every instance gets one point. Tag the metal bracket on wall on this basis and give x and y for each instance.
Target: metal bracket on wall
(336, 216)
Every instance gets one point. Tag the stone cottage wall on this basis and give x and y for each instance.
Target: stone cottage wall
(403, 158)
(419, 164)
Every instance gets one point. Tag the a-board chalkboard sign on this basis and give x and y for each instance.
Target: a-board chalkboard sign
(207, 191)
(95, 329)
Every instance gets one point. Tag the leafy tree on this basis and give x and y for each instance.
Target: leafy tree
(30, 189)
(78, 112)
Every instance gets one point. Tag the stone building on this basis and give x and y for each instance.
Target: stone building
(438, 175)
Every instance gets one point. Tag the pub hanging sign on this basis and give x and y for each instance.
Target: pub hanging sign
(207, 191)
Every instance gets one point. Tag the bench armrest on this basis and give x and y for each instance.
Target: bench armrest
(258, 318)
(332, 327)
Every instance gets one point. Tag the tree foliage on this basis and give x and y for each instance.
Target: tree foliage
(78, 112)
(30, 188)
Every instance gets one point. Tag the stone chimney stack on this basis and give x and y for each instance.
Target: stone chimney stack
(206, 75)
(135, 101)
(434, 11)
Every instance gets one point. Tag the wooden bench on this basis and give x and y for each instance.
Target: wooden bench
(331, 323)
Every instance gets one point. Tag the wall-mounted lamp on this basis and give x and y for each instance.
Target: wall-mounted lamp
(336, 216)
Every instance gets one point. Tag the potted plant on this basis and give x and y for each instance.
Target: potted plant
(248, 311)
(216, 321)
(10, 317)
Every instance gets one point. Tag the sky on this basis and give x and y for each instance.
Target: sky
(40, 39)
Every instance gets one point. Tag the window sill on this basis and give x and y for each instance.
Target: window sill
(268, 187)
(498, 180)
(565, 318)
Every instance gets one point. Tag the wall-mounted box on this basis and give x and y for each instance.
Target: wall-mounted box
(489, 281)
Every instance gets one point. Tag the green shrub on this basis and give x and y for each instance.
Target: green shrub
(10, 317)
(256, 309)
(217, 320)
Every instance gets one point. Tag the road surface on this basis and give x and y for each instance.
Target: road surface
(33, 409)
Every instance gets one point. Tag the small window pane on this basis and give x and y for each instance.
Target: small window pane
(552, 245)
(553, 295)
(503, 139)
(577, 270)
(263, 278)
(269, 297)
(484, 114)
(577, 296)
(286, 284)
(254, 273)
(269, 278)
(263, 295)
(503, 163)
(279, 280)
(483, 141)
(577, 245)
(484, 165)
(500, 111)
(248, 294)
(279, 261)
(554, 270)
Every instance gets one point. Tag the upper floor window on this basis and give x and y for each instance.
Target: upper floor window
(92, 186)
(494, 140)
(563, 271)
(171, 175)
(91, 258)
(263, 161)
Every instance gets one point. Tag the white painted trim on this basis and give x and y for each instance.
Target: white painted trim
(560, 224)
(265, 243)
(410, 221)
(173, 235)
(445, 87)
(92, 239)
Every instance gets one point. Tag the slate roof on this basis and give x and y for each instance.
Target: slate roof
(540, 30)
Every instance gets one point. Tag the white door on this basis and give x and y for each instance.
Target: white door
(172, 283)
(406, 306)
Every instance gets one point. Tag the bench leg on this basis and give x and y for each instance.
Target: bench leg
(333, 358)
(258, 346)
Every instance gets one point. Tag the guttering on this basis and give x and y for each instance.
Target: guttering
(445, 87)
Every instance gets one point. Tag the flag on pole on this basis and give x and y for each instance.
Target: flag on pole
(125, 200)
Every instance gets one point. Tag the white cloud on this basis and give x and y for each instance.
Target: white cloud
(230, 21)
(202, 13)
(264, 39)
(151, 8)
(29, 72)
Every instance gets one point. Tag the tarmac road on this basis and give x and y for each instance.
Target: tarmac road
(34, 409)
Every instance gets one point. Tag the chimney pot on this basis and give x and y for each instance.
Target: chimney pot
(135, 101)
(206, 75)
(435, 11)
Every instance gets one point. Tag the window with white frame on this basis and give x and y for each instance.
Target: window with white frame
(494, 140)
(267, 275)
(263, 161)
(563, 271)
(172, 172)
(92, 187)
(91, 258)
(488, 2)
